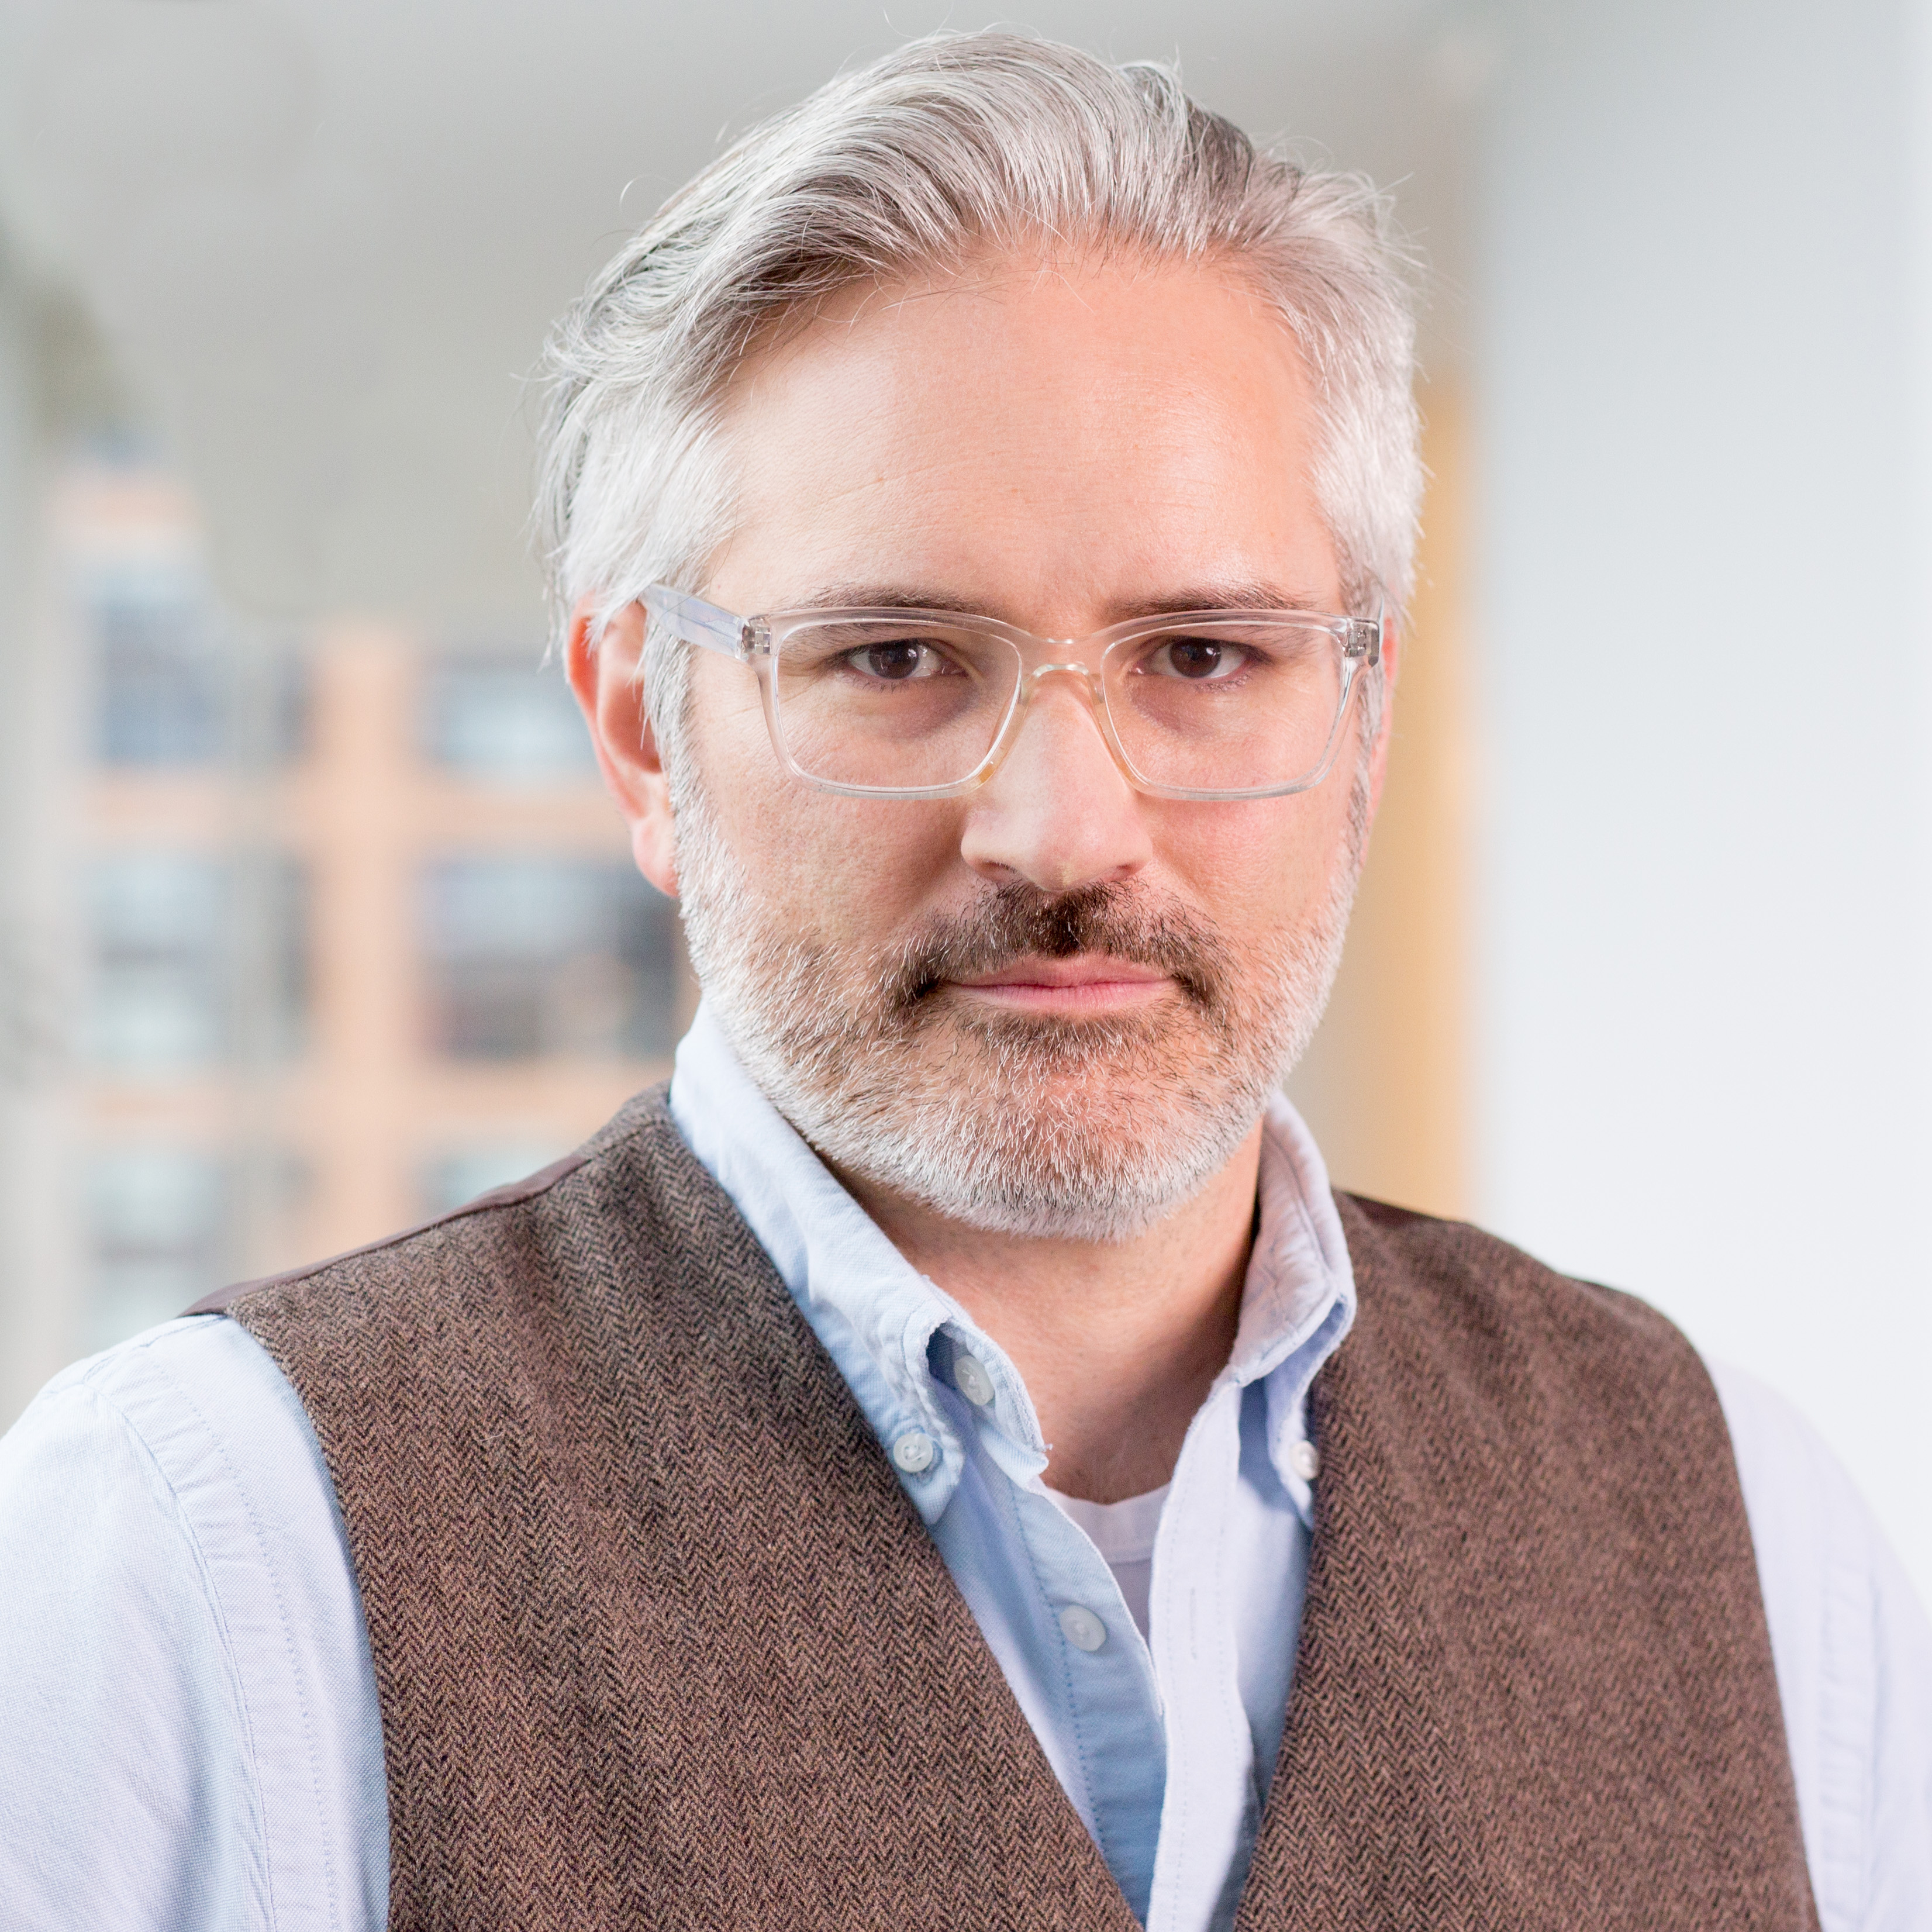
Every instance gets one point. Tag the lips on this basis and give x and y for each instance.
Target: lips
(1082, 970)
(1086, 983)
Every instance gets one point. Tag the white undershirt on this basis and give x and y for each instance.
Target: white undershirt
(1123, 1533)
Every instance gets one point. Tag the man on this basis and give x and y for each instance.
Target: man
(952, 1460)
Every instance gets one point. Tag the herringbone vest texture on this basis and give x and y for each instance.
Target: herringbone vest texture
(660, 1642)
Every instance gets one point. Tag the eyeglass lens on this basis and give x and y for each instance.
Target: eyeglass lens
(1232, 704)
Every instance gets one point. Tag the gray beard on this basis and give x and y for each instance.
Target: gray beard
(1087, 1129)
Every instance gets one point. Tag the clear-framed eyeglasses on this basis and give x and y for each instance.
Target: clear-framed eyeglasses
(893, 704)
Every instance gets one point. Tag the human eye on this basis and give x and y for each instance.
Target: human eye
(897, 660)
(1197, 660)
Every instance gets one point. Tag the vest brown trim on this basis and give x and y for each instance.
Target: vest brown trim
(659, 1642)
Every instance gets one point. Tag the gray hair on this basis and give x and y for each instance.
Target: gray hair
(952, 146)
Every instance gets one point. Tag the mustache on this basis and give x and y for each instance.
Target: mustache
(1019, 921)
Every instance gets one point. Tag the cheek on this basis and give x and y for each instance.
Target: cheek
(1256, 869)
(859, 871)
(845, 868)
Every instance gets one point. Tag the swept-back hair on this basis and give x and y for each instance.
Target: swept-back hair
(953, 146)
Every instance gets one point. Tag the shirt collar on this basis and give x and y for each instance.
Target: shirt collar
(894, 1334)
(1299, 1300)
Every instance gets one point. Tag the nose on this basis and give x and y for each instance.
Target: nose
(1059, 812)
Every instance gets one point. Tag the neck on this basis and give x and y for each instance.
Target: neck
(1118, 1341)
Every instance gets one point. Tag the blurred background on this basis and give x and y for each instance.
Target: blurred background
(313, 920)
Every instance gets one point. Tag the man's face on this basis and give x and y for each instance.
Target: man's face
(1053, 1005)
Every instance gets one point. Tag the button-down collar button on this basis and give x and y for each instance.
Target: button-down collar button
(915, 1452)
(1084, 1631)
(970, 1379)
(1303, 1459)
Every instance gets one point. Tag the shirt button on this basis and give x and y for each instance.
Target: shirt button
(1303, 1459)
(970, 1379)
(1084, 1631)
(915, 1452)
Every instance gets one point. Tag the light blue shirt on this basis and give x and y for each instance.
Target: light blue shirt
(189, 1734)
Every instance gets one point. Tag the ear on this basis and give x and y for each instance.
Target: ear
(607, 677)
(1378, 751)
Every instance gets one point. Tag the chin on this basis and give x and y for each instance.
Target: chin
(1091, 1130)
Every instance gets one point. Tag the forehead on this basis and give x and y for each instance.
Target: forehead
(1038, 437)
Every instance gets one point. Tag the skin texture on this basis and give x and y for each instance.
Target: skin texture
(1063, 446)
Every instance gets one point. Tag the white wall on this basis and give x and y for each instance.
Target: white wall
(1706, 635)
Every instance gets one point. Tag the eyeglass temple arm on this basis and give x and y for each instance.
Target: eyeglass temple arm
(695, 621)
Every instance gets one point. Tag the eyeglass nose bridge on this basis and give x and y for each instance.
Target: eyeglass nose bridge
(1086, 673)
(1092, 687)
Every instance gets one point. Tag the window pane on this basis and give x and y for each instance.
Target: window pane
(158, 1225)
(159, 929)
(269, 1022)
(504, 717)
(174, 686)
(158, 687)
(527, 957)
(197, 960)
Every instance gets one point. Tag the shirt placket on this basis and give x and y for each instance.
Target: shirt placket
(1210, 1790)
(1107, 1681)
(1112, 1696)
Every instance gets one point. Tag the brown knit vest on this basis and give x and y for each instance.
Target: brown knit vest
(660, 1642)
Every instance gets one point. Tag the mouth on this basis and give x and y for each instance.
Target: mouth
(1084, 983)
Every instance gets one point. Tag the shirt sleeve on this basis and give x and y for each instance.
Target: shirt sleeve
(189, 1738)
(1853, 1653)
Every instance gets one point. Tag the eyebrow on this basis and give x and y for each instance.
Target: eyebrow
(1245, 596)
